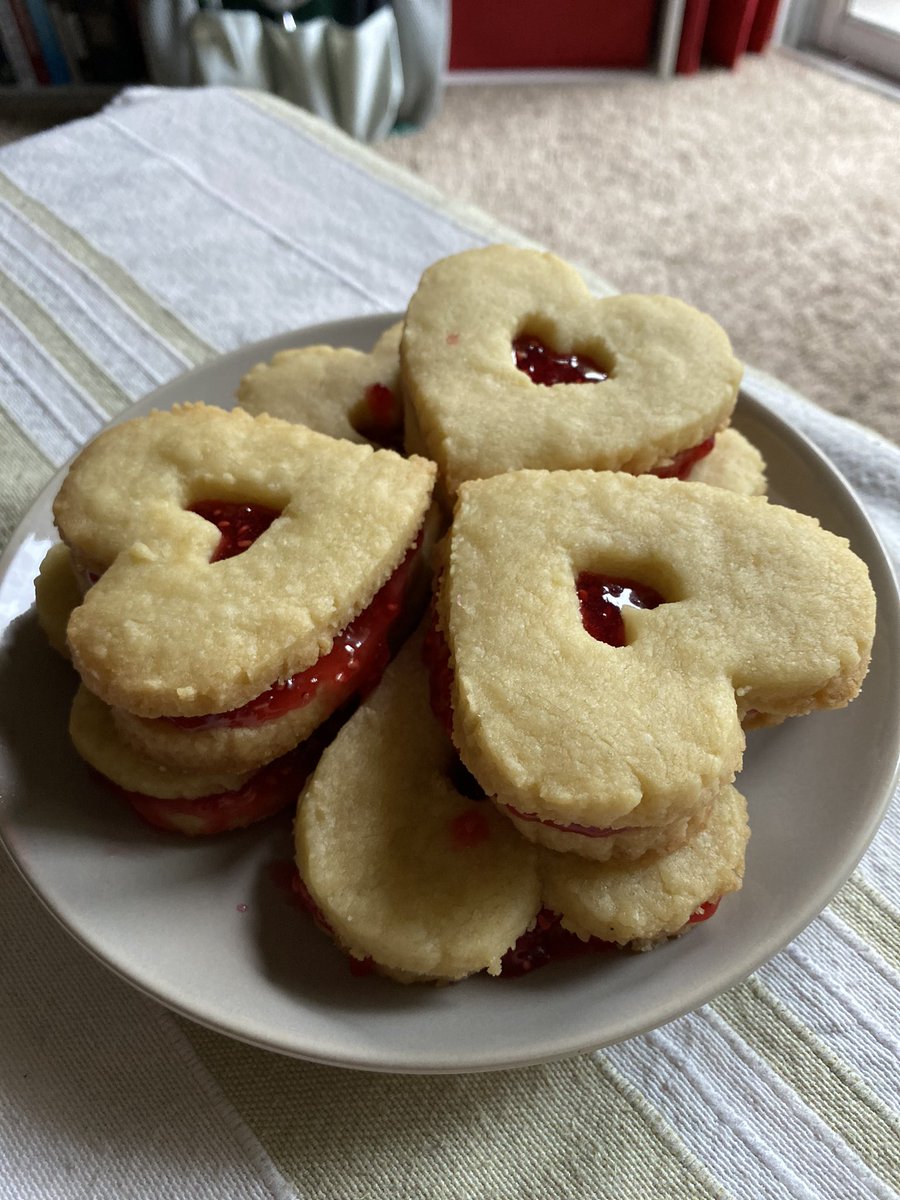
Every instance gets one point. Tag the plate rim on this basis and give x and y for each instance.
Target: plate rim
(345, 331)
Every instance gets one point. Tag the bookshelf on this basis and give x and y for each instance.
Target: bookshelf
(80, 51)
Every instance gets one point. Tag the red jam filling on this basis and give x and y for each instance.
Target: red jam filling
(593, 831)
(602, 599)
(381, 418)
(682, 464)
(436, 657)
(544, 366)
(469, 829)
(354, 664)
(271, 789)
(705, 911)
(548, 942)
(239, 524)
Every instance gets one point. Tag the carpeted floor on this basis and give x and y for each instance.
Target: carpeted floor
(769, 196)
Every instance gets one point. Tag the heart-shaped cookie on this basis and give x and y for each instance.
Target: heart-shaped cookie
(341, 392)
(177, 626)
(406, 870)
(608, 632)
(487, 334)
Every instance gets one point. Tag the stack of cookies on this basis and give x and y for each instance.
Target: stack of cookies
(549, 764)
(243, 580)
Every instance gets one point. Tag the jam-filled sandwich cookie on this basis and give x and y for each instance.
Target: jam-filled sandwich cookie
(231, 555)
(345, 393)
(186, 802)
(508, 361)
(341, 392)
(409, 869)
(605, 634)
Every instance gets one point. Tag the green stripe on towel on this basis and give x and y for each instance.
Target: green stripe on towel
(165, 324)
(820, 1078)
(56, 342)
(24, 471)
(569, 1128)
(869, 913)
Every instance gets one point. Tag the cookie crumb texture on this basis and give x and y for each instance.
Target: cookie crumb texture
(764, 611)
(664, 378)
(167, 631)
(603, 632)
(407, 871)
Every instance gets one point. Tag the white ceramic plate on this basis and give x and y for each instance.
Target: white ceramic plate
(206, 929)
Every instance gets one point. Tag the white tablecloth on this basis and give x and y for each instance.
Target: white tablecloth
(134, 245)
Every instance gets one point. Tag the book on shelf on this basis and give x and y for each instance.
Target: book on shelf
(48, 40)
(70, 42)
(20, 45)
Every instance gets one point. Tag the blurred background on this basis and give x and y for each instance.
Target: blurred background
(741, 154)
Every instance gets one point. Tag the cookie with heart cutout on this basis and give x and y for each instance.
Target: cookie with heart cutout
(342, 392)
(508, 361)
(607, 633)
(406, 866)
(231, 551)
(195, 804)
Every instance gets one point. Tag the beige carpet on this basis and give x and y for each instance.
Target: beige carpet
(769, 196)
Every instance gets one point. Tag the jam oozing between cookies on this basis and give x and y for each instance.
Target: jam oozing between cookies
(239, 524)
(380, 417)
(353, 665)
(593, 831)
(602, 598)
(271, 789)
(547, 367)
(681, 465)
(548, 942)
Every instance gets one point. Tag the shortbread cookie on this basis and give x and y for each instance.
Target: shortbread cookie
(410, 873)
(734, 464)
(402, 867)
(489, 332)
(617, 843)
(275, 721)
(570, 710)
(170, 631)
(343, 393)
(637, 904)
(187, 802)
(56, 593)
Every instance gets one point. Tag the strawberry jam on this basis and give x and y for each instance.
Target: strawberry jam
(544, 366)
(704, 912)
(271, 789)
(593, 831)
(682, 464)
(239, 524)
(380, 419)
(436, 657)
(353, 665)
(602, 598)
(548, 942)
(469, 829)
